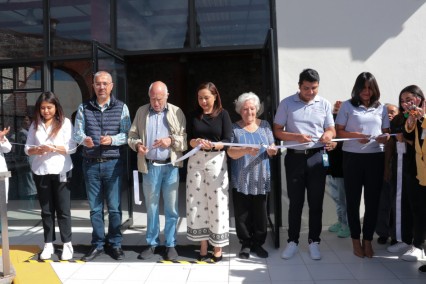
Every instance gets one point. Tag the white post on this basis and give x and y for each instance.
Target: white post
(4, 225)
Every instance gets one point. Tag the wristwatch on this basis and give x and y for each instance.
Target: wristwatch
(172, 140)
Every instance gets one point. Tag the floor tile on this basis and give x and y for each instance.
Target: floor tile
(413, 281)
(251, 261)
(406, 270)
(74, 281)
(341, 281)
(208, 274)
(325, 271)
(131, 271)
(338, 264)
(293, 282)
(65, 270)
(172, 273)
(94, 271)
(249, 273)
(380, 281)
(326, 257)
(289, 272)
(370, 271)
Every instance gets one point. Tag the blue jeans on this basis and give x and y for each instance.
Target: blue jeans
(163, 179)
(103, 181)
(336, 186)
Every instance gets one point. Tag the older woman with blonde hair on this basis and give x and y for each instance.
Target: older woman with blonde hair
(250, 174)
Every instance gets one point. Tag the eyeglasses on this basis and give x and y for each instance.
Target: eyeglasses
(101, 84)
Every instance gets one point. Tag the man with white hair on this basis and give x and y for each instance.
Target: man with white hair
(158, 136)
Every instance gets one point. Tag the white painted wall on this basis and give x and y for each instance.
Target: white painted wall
(342, 38)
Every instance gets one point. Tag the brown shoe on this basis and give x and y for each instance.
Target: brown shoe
(358, 251)
(368, 248)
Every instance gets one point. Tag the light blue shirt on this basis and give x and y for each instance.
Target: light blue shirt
(312, 118)
(117, 140)
(369, 121)
(157, 127)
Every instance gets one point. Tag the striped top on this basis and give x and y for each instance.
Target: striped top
(251, 174)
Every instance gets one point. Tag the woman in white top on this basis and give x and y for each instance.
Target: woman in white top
(5, 147)
(50, 144)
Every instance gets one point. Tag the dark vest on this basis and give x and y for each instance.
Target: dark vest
(105, 123)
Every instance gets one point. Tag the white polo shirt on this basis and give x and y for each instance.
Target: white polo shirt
(312, 118)
(369, 121)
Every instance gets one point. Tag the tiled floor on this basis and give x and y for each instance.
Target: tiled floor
(338, 264)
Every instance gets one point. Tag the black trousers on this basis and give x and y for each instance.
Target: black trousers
(54, 197)
(385, 226)
(363, 170)
(305, 172)
(250, 218)
(417, 196)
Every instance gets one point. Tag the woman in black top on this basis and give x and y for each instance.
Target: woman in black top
(207, 178)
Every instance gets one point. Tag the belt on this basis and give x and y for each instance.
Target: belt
(304, 152)
(162, 162)
(99, 160)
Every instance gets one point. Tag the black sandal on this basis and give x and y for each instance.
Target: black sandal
(216, 258)
(203, 257)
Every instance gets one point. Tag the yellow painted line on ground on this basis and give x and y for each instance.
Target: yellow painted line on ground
(185, 262)
(28, 271)
(55, 261)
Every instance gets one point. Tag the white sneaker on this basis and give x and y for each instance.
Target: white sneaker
(314, 251)
(290, 250)
(67, 251)
(398, 247)
(47, 251)
(413, 254)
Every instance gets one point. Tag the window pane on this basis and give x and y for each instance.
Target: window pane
(26, 77)
(6, 78)
(21, 30)
(29, 78)
(232, 22)
(68, 91)
(75, 23)
(151, 24)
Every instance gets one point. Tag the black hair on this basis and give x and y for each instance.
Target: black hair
(360, 82)
(309, 75)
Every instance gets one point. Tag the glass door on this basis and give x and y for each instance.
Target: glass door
(106, 59)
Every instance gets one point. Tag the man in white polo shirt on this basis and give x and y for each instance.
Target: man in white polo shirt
(307, 118)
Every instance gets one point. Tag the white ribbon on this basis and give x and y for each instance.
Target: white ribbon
(136, 187)
(187, 155)
(400, 149)
(69, 150)
(196, 149)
